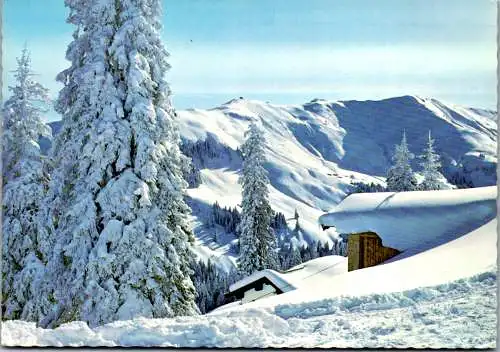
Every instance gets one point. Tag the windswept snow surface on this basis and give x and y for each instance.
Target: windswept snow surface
(406, 220)
(468, 255)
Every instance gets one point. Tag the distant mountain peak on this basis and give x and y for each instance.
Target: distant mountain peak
(234, 101)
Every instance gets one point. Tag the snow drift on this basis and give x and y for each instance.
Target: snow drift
(460, 314)
(294, 277)
(406, 220)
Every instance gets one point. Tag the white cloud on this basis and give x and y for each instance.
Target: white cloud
(466, 74)
(462, 74)
(213, 67)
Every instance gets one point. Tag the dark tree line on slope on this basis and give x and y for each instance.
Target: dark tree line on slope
(201, 151)
(362, 187)
(211, 283)
(460, 178)
(229, 218)
(291, 256)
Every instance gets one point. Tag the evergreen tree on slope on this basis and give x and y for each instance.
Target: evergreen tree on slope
(295, 257)
(257, 240)
(24, 183)
(430, 165)
(117, 219)
(400, 176)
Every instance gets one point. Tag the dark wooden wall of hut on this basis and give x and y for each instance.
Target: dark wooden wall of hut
(365, 249)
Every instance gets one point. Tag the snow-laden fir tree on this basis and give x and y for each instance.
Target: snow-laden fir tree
(313, 250)
(257, 239)
(116, 219)
(430, 168)
(294, 257)
(24, 184)
(400, 176)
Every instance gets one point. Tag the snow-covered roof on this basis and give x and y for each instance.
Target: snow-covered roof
(275, 277)
(298, 275)
(408, 219)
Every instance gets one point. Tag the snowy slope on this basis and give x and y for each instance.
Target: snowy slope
(318, 149)
(441, 297)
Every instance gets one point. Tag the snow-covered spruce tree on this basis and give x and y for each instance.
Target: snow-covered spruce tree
(24, 184)
(313, 250)
(257, 239)
(295, 257)
(400, 176)
(117, 221)
(430, 168)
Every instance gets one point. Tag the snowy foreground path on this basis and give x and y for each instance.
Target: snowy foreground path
(460, 314)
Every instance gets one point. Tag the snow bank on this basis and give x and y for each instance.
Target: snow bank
(406, 220)
(384, 301)
(460, 314)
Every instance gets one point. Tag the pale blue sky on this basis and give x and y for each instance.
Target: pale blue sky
(290, 51)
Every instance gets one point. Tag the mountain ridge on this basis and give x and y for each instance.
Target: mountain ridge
(316, 151)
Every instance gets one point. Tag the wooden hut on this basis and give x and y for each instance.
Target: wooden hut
(365, 249)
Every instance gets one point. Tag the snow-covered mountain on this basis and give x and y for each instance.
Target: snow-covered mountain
(317, 150)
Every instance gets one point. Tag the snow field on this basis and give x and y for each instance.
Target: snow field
(444, 297)
(459, 314)
(413, 302)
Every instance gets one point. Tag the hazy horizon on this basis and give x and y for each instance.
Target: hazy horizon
(289, 52)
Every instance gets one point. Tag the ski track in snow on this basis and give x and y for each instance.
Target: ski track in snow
(459, 314)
